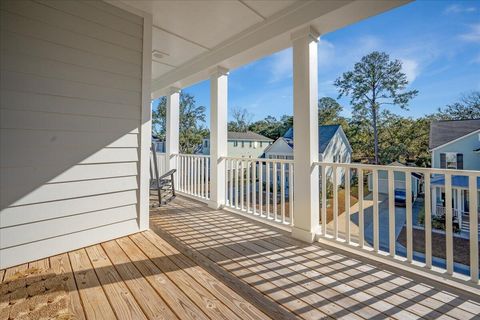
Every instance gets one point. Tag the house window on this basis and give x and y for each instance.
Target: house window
(451, 160)
(251, 144)
(205, 143)
(261, 144)
(235, 143)
(243, 144)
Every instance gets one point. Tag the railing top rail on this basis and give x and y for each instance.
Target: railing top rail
(259, 160)
(192, 155)
(473, 173)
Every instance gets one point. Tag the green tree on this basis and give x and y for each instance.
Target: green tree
(329, 112)
(375, 81)
(241, 120)
(192, 120)
(468, 107)
(271, 127)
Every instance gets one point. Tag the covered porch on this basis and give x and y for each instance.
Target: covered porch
(200, 263)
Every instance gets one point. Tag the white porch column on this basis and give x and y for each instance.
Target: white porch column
(305, 125)
(218, 135)
(173, 129)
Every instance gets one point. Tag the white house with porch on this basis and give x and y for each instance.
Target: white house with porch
(454, 145)
(77, 81)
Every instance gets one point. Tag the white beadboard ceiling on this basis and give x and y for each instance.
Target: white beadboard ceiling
(194, 35)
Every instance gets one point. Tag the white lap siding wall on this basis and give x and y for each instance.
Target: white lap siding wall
(74, 113)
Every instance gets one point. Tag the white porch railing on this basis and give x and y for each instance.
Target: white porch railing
(193, 175)
(377, 232)
(161, 164)
(261, 188)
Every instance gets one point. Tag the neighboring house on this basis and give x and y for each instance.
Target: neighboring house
(160, 145)
(241, 145)
(454, 145)
(333, 146)
(399, 178)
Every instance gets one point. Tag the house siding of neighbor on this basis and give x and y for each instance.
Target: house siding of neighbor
(333, 147)
(455, 145)
(74, 116)
(241, 145)
(465, 145)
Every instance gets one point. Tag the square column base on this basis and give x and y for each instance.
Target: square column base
(303, 235)
(214, 205)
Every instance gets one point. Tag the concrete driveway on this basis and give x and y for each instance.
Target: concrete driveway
(383, 218)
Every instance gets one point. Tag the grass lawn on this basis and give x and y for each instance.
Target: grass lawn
(461, 247)
(341, 204)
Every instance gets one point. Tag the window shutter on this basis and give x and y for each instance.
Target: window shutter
(460, 161)
(443, 161)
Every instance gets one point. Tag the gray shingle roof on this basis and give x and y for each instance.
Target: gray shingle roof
(249, 135)
(442, 132)
(325, 134)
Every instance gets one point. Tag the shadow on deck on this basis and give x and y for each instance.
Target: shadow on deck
(199, 263)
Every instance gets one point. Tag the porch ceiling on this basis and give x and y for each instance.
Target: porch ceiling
(192, 36)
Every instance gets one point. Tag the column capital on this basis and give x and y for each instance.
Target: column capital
(218, 71)
(307, 31)
(172, 90)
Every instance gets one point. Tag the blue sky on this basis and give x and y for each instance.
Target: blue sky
(437, 41)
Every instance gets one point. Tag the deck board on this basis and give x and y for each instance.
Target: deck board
(61, 265)
(393, 294)
(199, 263)
(94, 300)
(151, 303)
(116, 290)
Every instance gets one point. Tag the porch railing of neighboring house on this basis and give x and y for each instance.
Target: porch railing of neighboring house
(382, 239)
(260, 188)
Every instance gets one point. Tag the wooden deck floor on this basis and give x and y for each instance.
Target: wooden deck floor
(198, 263)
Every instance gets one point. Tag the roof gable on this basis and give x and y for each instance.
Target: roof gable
(443, 132)
(325, 135)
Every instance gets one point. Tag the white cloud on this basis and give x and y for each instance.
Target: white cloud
(411, 69)
(326, 53)
(281, 65)
(473, 35)
(456, 8)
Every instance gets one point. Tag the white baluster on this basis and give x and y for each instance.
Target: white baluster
(473, 194)
(282, 191)
(375, 210)
(323, 174)
(361, 213)
(428, 222)
(391, 212)
(409, 217)
(449, 223)
(347, 205)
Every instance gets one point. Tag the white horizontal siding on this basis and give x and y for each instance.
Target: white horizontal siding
(16, 215)
(52, 246)
(70, 113)
(63, 53)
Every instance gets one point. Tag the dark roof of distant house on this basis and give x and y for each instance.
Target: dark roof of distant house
(325, 134)
(248, 136)
(445, 131)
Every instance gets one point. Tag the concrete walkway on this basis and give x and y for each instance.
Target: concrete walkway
(383, 218)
